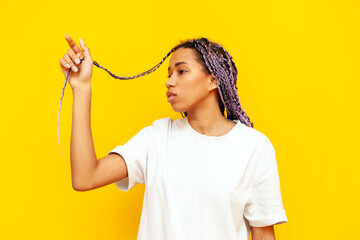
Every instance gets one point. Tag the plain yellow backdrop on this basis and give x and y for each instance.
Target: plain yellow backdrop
(298, 81)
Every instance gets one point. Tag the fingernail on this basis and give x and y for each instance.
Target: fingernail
(67, 65)
(77, 61)
(74, 69)
(81, 41)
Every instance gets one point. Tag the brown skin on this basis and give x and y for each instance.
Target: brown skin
(263, 233)
(86, 171)
(196, 94)
(81, 72)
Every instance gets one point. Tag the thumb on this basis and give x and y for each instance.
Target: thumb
(85, 49)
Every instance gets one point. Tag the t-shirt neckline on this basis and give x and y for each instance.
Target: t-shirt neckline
(200, 136)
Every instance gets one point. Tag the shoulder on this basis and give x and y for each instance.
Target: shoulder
(253, 135)
(256, 142)
(162, 122)
(168, 122)
(164, 125)
(161, 125)
(160, 130)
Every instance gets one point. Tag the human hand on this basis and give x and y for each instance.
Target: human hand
(81, 71)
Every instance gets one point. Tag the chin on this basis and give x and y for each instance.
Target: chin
(178, 109)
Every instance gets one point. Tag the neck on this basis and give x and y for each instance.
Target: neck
(209, 121)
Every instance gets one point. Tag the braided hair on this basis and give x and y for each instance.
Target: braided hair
(217, 62)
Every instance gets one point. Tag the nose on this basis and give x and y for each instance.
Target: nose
(169, 83)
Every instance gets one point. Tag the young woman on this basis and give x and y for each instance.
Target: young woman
(208, 175)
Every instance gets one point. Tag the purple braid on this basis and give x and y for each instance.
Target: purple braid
(139, 75)
(216, 61)
(219, 63)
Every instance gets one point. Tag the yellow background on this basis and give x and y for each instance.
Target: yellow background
(298, 81)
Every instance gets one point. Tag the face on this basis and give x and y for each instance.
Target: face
(188, 85)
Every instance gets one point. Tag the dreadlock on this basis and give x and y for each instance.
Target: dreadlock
(215, 61)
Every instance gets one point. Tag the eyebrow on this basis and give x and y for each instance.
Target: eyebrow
(178, 63)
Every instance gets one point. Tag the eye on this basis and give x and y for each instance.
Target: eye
(180, 72)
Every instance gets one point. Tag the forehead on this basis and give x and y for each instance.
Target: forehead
(183, 55)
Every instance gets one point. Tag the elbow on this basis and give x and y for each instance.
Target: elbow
(80, 187)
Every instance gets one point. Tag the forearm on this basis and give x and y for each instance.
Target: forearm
(263, 233)
(82, 151)
(263, 238)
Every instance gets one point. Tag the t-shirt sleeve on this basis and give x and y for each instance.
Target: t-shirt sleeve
(135, 154)
(265, 206)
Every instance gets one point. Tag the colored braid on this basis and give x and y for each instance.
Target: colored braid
(139, 75)
(221, 66)
(219, 63)
(216, 61)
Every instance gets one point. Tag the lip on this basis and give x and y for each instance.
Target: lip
(170, 96)
(170, 93)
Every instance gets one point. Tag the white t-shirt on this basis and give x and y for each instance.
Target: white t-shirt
(202, 187)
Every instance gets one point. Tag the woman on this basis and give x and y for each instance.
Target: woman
(209, 175)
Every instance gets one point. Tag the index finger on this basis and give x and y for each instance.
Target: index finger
(72, 44)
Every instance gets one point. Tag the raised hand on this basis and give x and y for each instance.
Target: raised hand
(79, 61)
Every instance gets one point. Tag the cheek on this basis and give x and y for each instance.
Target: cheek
(193, 91)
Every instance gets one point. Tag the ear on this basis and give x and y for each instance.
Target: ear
(212, 84)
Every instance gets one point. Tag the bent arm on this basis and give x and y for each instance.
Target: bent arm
(87, 172)
(263, 233)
